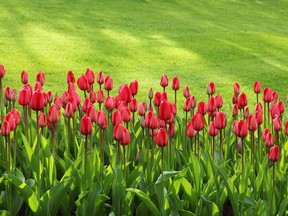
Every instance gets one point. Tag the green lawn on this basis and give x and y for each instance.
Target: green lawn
(198, 41)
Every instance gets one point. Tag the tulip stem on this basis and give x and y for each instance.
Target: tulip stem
(273, 179)
(243, 149)
(9, 188)
(85, 159)
(175, 97)
(68, 133)
(38, 154)
(124, 161)
(15, 151)
(213, 143)
(220, 130)
(162, 163)
(53, 139)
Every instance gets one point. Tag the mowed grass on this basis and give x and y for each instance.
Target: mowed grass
(198, 41)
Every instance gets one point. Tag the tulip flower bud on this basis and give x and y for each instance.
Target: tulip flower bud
(257, 87)
(54, 114)
(10, 118)
(246, 113)
(100, 78)
(164, 81)
(220, 120)
(40, 77)
(134, 87)
(277, 124)
(161, 137)
(235, 110)
(133, 106)
(116, 117)
(175, 84)
(118, 131)
(2, 71)
(236, 88)
(24, 77)
(42, 121)
(242, 129)
(165, 110)
(198, 122)
(24, 97)
(242, 101)
(82, 83)
(252, 123)
(102, 119)
(190, 131)
(267, 95)
(186, 92)
(274, 154)
(202, 108)
(142, 108)
(100, 96)
(5, 127)
(210, 88)
(126, 137)
(37, 101)
(70, 77)
(109, 103)
(90, 76)
(150, 94)
(213, 131)
(108, 84)
(269, 140)
(219, 101)
(125, 113)
(85, 126)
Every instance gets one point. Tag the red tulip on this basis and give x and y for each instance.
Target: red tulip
(49, 97)
(187, 104)
(148, 118)
(275, 96)
(108, 85)
(236, 88)
(219, 101)
(116, 117)
(58, 102)
(246, 112)
(281, 106)
(125, 93)
(37, 101)
(40, 77)
(190, 131)
(264, 133)
(257, 87)
(38, 86)
(109, 103)
(186, 92)
(102, 119)
(142, 108)
(235, 110)
(100, 78)
(165, 110)
(2, 71)
(71, 87)
(24, 97)
(100, 96)
(93, 97)
(164, 81)
(54, 114)
(242, 101)
(24, 77)
(69, 112)
(267, 95)
(211, 108)
(118, 131)
(252, 123)
(157, 99)
(133, 105)
(235, 99)
(10, 118)
(82, 83)
(85, 126)
(235, 127)
(154, 123)
(242, 128)
(198, 122)
(86, 104)
(125, 113)
(7, 93)
(76, 96)
(161, 137)
(202, 108)
(5, 127)
(277, 124)
(16, 115)
(274, 154)
(70, 77)
(91, 113)
(90, 76)
(171, 130)
(259, 117)
(220, 120)
(126, 137)
(134, 87)
(269, 140)
(210, 88)
(275, 111)
(175, 83)
(258, 107)
(213, 131)
(42, 121)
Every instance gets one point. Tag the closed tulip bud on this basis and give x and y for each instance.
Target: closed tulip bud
(281, 106)
(40, 77)
(102, 119)
(148, 118)
(235, 127)
(133, 105)
(242, 101)
(157, 99)
(165, 110)
(235, 110)
(259, 117)
(246, 113)
(73, 101)
(50, 97)
(277, 124)
(100, 96)
(210, 88)
(42, 121)
(13, 95)
(38, 86)
(24, 97)
(211, 108)
(37, 101)
(187, 107)
(257, 87)
(275, 96)
(213, 131)
(275, 111)
(202, 108)
(118, 131)
(252, 123)
(5, 127)
(24, 77)
(198, 122)
(161, 137)
(274, 154)
(235, 99)
(85, 126)
(219, 101)
(100, 78)
(109, 103)
(125, 93)
(164, 81)
(10, 118)
(2, 71)
(92, 114)
(70, 77)
(134, 87)
(108, 84)
(69, 113)
(269, 140)
(7, 93)
(82, 83)
(190, 131)
(58, 102)
(90, 76)
(267, 95)
(93, 97)
(125, 113)
(126, 137)
(220, 120)
(16, 115)
(164, 96)
(54, 114)
(236, 88)
(186, 91)
(86, 104)
(150, 94)
(175, 84)
(116, 117)
(142, 108)
(264, 134)
(242, 129)
(259, 107)
(153, 124)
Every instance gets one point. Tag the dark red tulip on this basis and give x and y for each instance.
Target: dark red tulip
(2, 71)
(50, 97)
(92, 114)
(242, 101)
(133, 105)
(125, 93)
(186, 92)
(257, 87)
(108, 85)
(24, 97)
(24, 77)
(37, 101)
(142, 108)
(165, 111)
(148, 118)
(269, 140)
(202, 108)
(58, 102)
(126, 137)
(175, 84)
(259, 117)
(82, 83)
(267, 95)
(100, 96)
(85, 126)
(242, 128)
(10, 118)
(116, 117)
(190, 131)
(134, 87)
(5, 127)
(157, 99)
(277, 124)
(150, 94)
(198, 122)
(109, 103)
(69, 112)
(236, 88)
(235, 99)
(40, 77)
(42, 121)
(154, 123)
(7, 93)
(70, 77)
(102, 119)
(118, 131)
(235, 110)
(220, 120)
(54, 114)
(90, 76)
(219, 101)
(93, 97)
(274, 154)
(100, 78)
(161, 137)
(252, 123)
(125, 113)
(16, 115)
(246, 113)
(210, 88)
(213, 131)
(211, 108)
(164, 81)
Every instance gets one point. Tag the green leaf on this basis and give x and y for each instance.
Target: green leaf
(26, 192)
(283, 209)
(189, 192)
(212, 207)
(166, 175)
(145, 199)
